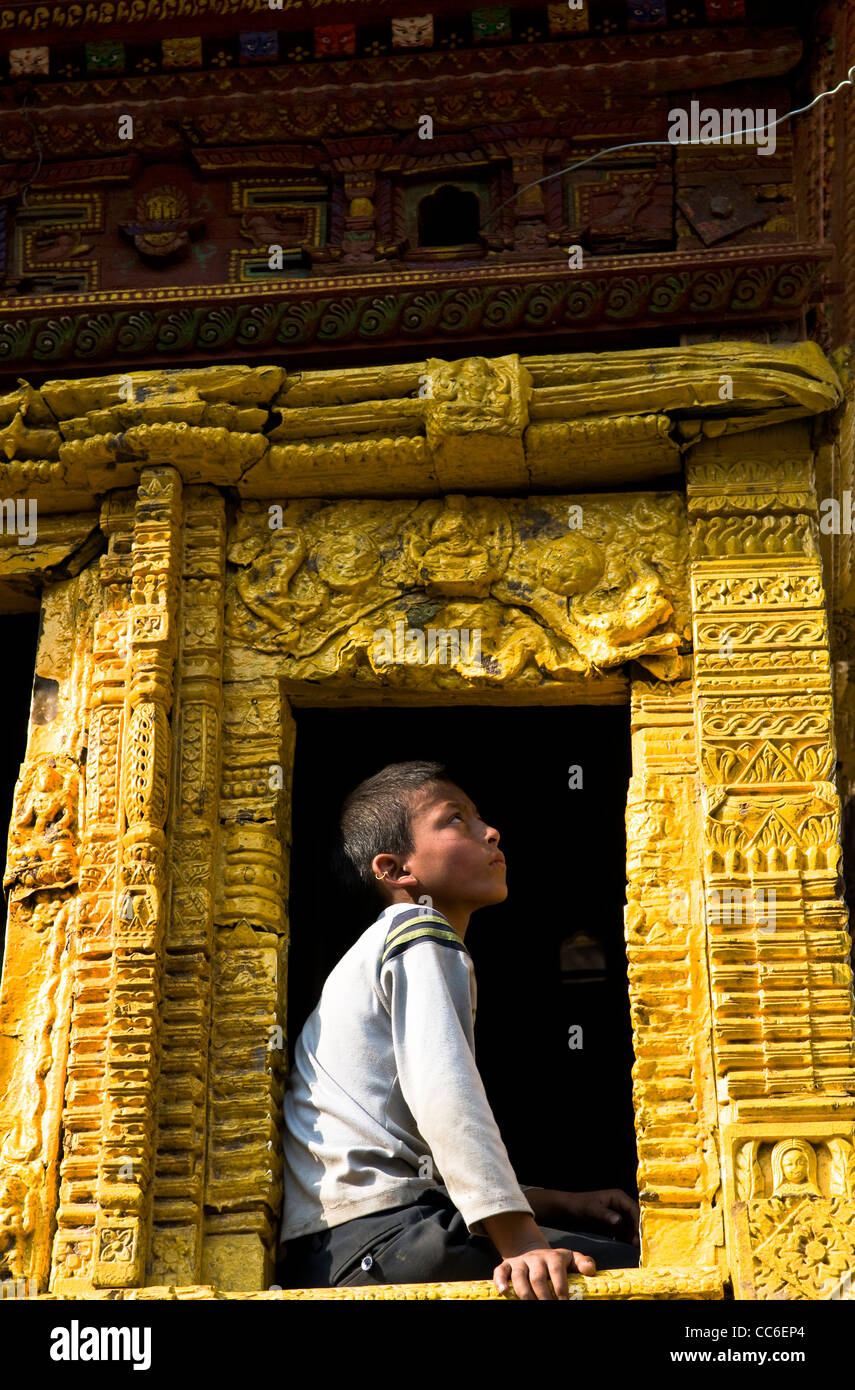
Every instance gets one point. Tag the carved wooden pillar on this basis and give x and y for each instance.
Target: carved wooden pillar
(176, 1245)
(359, 234)
(777, 933)
(678, 1169)
(105, 1200)
(83, 1117)
(243, 1182)
(529, 209)
(132, 1062)
(44, 867)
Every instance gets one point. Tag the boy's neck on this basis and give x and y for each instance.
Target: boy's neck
(456, 915)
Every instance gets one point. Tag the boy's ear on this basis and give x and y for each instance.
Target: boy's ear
(385, 867)
(389, 869)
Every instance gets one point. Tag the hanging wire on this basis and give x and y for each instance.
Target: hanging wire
(22, 110)
(847, 81)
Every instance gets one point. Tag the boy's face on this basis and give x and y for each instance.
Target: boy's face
(455, 857)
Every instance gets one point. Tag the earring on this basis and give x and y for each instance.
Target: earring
(381, 876)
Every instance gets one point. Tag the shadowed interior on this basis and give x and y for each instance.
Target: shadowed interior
(565, 1113)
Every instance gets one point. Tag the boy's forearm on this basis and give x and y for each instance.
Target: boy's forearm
(513, 1232)
(547, 1205)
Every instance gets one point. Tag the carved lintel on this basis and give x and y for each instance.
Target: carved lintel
(459, 593)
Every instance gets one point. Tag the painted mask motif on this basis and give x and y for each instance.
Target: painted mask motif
(724, 9)
(490, 25)
(413, 32)
(26, 62)
(646, 14)
(105, 57)
(563, 20)
(261, 47)
(182, 53)
(335, 40)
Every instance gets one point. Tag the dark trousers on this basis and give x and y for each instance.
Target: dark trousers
(424, 1242)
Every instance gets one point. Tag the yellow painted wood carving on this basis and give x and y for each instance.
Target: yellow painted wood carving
(218, 544)
(544, 588)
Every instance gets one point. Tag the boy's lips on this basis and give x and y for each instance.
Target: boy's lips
(500, 860)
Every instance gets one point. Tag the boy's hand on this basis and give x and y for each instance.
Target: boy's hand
(609, 1207)
(541, 1273)
(534, 1269)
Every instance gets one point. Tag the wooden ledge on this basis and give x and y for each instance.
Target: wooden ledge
(613, 1284)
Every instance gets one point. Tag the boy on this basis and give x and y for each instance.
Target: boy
(395, 1171)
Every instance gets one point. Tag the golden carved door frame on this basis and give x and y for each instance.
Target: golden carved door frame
(144, 988)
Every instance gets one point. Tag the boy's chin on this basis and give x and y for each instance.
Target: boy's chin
(496, 895)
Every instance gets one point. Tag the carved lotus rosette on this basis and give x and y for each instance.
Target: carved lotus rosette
(802, 1248)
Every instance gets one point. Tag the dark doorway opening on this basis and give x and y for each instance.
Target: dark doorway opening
(549, 959)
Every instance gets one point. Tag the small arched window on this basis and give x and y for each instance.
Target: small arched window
(449, 217)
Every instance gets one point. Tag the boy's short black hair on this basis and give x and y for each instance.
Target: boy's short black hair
(376, 818)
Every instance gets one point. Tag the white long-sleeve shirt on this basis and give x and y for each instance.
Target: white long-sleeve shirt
(384, 1100)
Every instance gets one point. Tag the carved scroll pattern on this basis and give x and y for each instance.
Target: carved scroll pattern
(243, 1180)
(669, 991)
(175, 1256)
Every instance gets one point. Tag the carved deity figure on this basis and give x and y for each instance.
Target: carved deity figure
(473, 393)
(16, 1201)
(794, 1169)
(460, 546)
(46, 808)
(43, 832)
(19, 1193)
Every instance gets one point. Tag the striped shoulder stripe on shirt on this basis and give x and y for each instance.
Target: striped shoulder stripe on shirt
(419, 925)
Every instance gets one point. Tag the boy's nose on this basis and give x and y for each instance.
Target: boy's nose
(493, 834)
